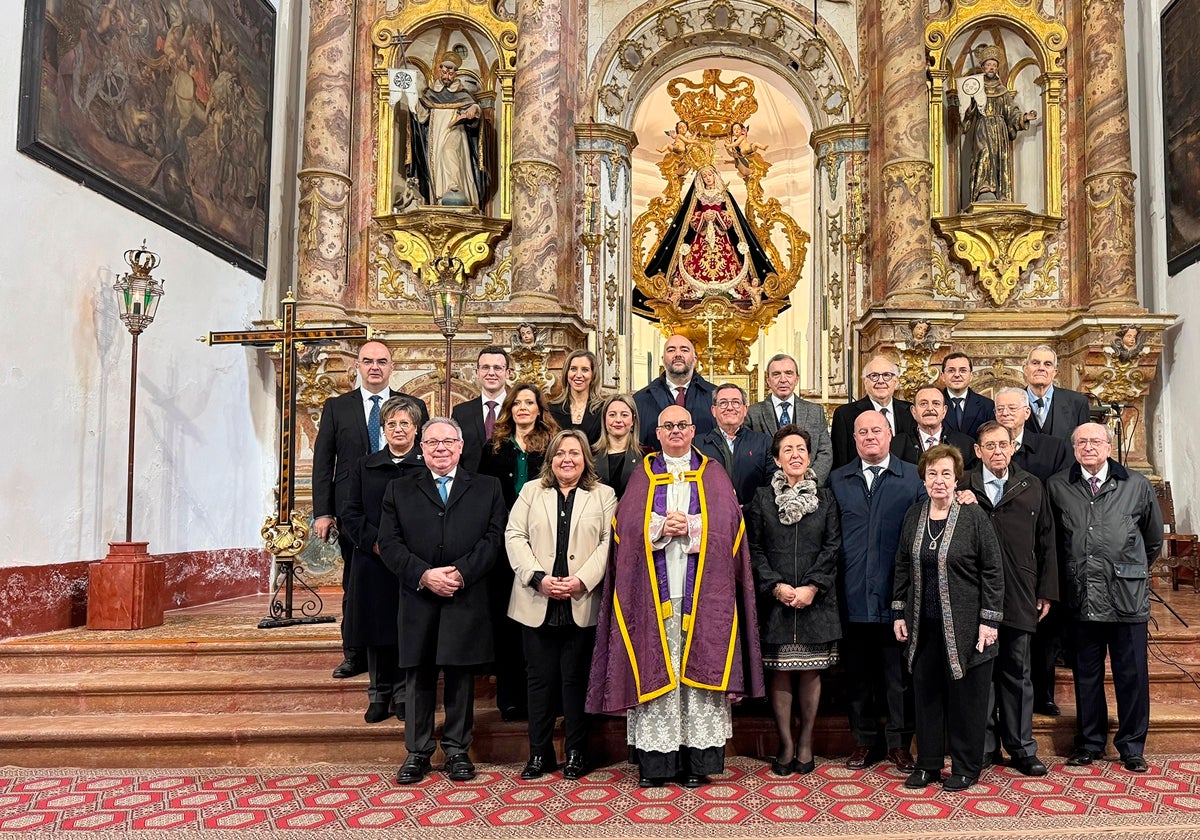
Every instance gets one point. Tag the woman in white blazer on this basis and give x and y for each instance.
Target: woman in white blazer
(558, 537)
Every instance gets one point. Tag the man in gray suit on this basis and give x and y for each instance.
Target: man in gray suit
(783, 407)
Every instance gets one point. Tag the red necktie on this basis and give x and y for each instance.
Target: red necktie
(489, 422)
(680, 396)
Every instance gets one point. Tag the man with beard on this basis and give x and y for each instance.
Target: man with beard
(679, 385)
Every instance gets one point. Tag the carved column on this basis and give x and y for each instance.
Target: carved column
(541, 215)
(904, 147)
(1108, 185)
(322, 268)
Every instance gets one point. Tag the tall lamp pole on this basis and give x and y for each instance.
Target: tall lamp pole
(138, 294)
(447, 296)
(126, 590)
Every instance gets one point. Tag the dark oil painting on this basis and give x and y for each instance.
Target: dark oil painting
(161, 105)
(1181, 131)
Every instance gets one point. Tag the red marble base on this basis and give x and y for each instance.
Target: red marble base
(125, 589)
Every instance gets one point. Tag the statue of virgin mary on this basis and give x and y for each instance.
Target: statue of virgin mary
(709, 249)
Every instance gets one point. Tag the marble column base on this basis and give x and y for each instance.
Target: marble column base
(126, 589)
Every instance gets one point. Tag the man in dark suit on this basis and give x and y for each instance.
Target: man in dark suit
(1041, 456)
(744, 453)
(929, 411)
(679, 384)
(477, 417)
(1024, 523)
(966, 410)
(880, 377)
(783, 407)
(1053, 411)
(441, 530)
(349, 430)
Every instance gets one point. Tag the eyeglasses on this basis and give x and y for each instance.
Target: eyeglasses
(1004, 409)
(671, 427)
(403, 425)
(493, 368)
(728, 403)
(993, 445)
(1091, 443)
(885, 376)
(438, 444)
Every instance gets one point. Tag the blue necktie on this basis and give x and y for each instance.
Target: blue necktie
(784, 417)
(958, 413)
(874, 471)
(373, 423)
(441, 483)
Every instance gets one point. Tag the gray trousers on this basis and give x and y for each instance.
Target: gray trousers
(1011, 697)
(459, 700)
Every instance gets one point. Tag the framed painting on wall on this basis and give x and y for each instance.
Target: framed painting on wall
(163, 107)
(1181, 131)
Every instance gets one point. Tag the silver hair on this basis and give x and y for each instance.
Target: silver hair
(895, 367)
(449, 421)
(1020, 392)
(1045, 347)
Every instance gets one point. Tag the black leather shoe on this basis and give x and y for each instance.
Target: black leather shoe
(693, 780)
(348, 668)
(781, 768)
(803, 768)
(511, 713)
(956, 782)
(377, 712)
(1083, 757)
(648, 782)
(576, 766)
(1049, 708)
(460, 768)
(536, 767)
(1029, 765)
(922, 778)
(413, 770)
(1135, 763)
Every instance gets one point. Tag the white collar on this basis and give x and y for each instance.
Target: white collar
(884, 464)
(775, 401)
(988, 475)
(366, 396)
(1101, 474)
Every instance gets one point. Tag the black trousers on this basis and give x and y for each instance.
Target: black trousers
(387, 679)
(512, 689)
(877, 686)
(354, 654)
(459, 700)
(1010, 703)
(1045, 648)
(707, 761)
(1125, 645)
(558, 660)
(950, 713)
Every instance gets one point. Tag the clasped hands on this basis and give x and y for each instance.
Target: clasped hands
(675, 524)
(987, 635)
(442, 580)
(798, 597)
(561, 588)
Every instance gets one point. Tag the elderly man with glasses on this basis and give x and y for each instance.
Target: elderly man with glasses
(880, 378)
(744, 453)
(441, 530)
(677, 636)
(1109, 532)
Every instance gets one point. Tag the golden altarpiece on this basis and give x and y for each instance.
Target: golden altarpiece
(902, 253)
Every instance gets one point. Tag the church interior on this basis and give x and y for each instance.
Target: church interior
(448, 175)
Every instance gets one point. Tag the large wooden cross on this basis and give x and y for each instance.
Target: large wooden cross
(286, 531)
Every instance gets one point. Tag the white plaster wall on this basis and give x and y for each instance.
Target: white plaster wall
(1177, 446)
(206, 416)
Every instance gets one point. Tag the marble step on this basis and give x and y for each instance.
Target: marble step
(170, 657)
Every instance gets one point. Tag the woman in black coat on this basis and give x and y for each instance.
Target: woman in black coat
(577, 405)
(372, 590)
(950, 586)
(515, 456)
(618, 451)
(795, 537)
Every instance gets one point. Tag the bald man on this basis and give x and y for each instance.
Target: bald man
(679, 384)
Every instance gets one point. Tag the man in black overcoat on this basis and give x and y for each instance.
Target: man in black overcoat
(345, 435)
(441, 530)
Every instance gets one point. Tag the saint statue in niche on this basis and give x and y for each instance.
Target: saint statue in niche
(741, 148)
(709, 248)
(991, 122)
(446, 158)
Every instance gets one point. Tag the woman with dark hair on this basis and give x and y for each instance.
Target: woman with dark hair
(514, 456)
(618, 451)
(950, 587)
(795, 537)
(558, 539)
(578, 404)
(372, 591)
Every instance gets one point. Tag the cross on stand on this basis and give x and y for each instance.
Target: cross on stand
(286, 531)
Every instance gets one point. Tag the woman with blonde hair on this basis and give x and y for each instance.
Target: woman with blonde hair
(618, 450)
(577, 405)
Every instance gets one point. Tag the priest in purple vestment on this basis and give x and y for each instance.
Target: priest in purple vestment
(677, 639)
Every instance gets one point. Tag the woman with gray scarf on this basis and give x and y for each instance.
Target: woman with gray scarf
(795, 536)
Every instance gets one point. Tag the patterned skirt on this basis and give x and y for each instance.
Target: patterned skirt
(800, 657)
